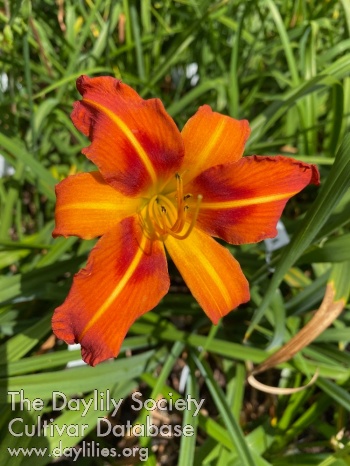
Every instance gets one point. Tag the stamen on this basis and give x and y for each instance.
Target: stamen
(192, 224)
(158, 220)
(150, 220)
(181, 220)
(170, 208)
(179, 187)
(179, 194)
(161, 217)
(146, 222)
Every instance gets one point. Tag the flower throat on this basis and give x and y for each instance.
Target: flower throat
(160, 217)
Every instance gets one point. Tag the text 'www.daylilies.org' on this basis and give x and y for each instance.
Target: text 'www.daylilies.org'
(159, 188)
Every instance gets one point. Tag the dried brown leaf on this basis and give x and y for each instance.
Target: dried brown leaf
(323, 318)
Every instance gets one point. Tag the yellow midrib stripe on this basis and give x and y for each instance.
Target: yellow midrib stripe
(128, 133)
(89, 205)
(246, 202)
(217, 280)
(118, 289)
(213, 140)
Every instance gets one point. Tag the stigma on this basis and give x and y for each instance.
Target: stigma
(170, 214)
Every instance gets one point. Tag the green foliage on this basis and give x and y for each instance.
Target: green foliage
(282, 64)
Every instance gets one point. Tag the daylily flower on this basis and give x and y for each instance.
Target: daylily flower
(156, 188)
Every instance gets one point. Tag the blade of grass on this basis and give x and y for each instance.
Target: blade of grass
(233, 428)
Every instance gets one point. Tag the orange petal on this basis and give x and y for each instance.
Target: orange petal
(243, 201)
(212, 274)
(134, 142)
(126, 276)
(211, 139)
(88, 207)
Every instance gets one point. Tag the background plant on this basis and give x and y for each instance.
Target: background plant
(284, 66)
